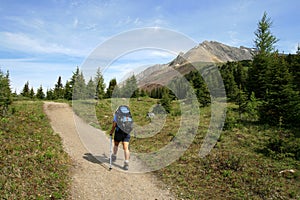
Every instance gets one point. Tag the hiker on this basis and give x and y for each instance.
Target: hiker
(122, 134)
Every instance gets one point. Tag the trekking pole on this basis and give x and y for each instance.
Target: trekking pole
(110, 153)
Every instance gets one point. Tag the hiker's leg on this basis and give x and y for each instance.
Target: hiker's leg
(116, 147)
(126, 150)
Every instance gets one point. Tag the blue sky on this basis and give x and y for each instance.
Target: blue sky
(41, 40)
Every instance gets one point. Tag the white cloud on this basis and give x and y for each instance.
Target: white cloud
(30, 24)
(75, 23)
(24, 43)
(137, 21)
(234, 38)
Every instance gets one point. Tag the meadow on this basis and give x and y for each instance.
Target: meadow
(34, 165)
(238, 166)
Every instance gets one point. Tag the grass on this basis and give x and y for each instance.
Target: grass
(235, 168)
(33, 163)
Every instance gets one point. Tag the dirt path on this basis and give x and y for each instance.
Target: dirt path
(90, 177)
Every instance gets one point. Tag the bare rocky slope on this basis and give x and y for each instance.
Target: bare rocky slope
(207, 52)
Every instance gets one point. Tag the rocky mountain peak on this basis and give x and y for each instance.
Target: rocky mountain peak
(205, 52)
(212, 51)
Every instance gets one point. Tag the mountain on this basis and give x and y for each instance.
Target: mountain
(204, 54)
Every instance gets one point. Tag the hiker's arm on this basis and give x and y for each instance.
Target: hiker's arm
(113, 128)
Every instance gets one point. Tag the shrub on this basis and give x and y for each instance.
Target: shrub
(283, 145)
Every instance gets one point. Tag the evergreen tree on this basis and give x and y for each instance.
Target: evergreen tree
(100, 85)
(111, 86)
(281, 98)
(130, 89)
(153, 93)
(117, 92)
(252, 106)
(26, 92)
(241, 100)
(200, 87)
(180, 87)
(58, 92)
(265, 40)
(78, 85)
(49, 94)
(74, 77)
(258, 78)
(227, 72)
(241, 74)
(294, 67)
(166, 101)
(134, 86)
(91, 89)
(68, 91)
(31, 93)
(40, 94)
(73, 80)
(5, 93)
(143, 93)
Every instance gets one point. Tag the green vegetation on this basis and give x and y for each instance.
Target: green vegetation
(245, 163)
(33, 163)
(5, 93)
(256, 157)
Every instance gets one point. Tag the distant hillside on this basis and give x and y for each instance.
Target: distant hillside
(205, 53)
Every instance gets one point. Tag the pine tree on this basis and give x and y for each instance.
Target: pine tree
(49, 94)
(227, 71)
(200, 87)
(26, 92)
(40, 94)
(241, 74)
(180, 87)
(265, 40)
(58, 92)
(68, 91)
(117, 92)
(264, 43)
(280, 97)
(31, 93)
(78, 85)
(74, 77)
(166, 101)
(100, 85)
(134, 87)
(111, 87)
(294, 67)
(91, 89)
(130, 89)
(252, 106)
(241, 100)
(143, 93)
(5, 93)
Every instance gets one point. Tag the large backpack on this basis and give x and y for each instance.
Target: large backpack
(124, 119)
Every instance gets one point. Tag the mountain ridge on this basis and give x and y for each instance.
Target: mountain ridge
(207, 52)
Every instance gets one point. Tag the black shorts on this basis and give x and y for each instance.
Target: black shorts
(120, 136)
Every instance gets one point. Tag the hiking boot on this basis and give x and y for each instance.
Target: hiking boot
(126, 165)
(113, 158)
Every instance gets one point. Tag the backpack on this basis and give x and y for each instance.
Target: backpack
(124, 119)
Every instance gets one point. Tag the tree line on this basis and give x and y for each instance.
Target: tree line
(266, 87)
(270, 81)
